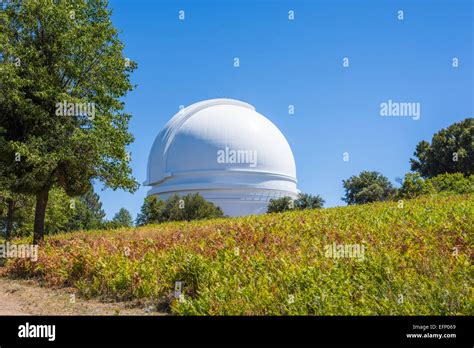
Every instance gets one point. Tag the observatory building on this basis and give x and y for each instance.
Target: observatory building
(226, 151)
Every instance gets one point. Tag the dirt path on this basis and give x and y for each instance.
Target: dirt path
(22, 297)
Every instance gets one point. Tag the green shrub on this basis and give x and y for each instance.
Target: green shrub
(453, 183)
(414, 185)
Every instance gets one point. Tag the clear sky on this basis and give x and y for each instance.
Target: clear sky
(300, 62)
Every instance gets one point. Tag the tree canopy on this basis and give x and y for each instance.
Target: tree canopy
(151, 211)
(307, 201)
(63, 74)
(367, 187)
(304, 201)
(87, 212)
(177, 208)
(279, 205)
(123, 218)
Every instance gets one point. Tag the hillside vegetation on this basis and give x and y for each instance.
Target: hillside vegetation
(416, 261)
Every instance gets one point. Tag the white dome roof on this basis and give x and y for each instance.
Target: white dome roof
(220, 144)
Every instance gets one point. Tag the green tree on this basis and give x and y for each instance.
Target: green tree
(279, 205)
(174, 209)
(451, 151)
(87, 212)
(15, 214)
(307, 201)
(304, 201)
(190, 207)
(21, 219)
(62, 57)
(58, 212)
(8, 205)
(197, 208)
(413, 186)
(123, 218)
(177, 208)
(367, 187)
(151, 211)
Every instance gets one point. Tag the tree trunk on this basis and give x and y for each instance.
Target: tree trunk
(40, 212)
(11, 207)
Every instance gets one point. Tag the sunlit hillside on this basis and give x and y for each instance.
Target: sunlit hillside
(407, 258)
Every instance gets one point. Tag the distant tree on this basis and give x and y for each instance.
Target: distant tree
(58, 212)
(7, 210)
(87, 212)
(123, 218)
(451, 151)
(15, 214)
(367, 187)
(55, 53)
(177, 208)
(190, 207)
(304, 201)
(151, 211)
(174, 209)
(279, 205)
(21, 219)
(307, 201)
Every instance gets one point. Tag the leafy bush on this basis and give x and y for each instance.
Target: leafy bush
(413, 185)
(416, 262)
(453, 183)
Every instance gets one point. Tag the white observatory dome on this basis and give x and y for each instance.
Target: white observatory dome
(225, 150)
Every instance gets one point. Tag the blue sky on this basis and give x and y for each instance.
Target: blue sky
(300, 62)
